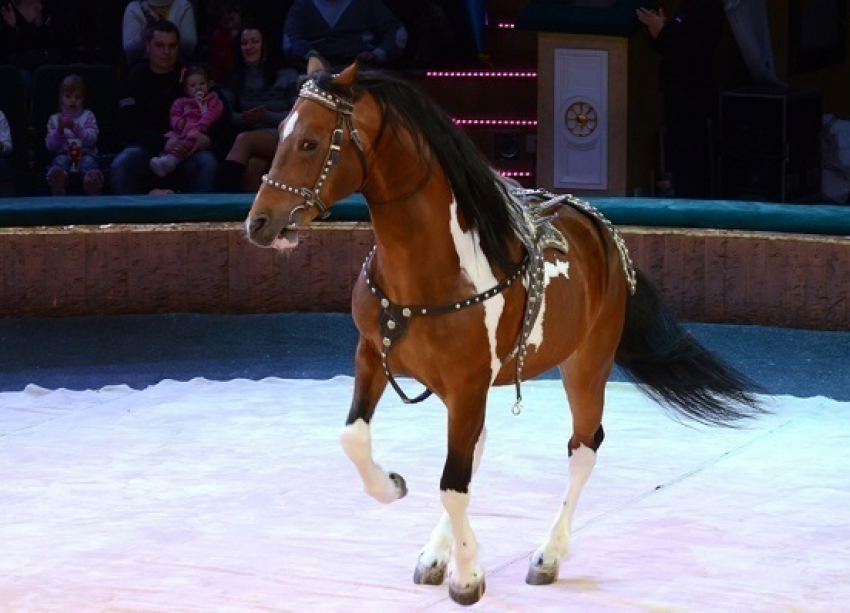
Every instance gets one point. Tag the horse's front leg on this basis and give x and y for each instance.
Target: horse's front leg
(434, 557)
(466, 423)
(369, 384)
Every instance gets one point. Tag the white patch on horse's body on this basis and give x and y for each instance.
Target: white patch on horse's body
(551, 271)
(289, 126)
(356, 441)
(474, 264)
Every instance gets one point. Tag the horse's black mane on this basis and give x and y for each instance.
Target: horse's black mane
(481, 198)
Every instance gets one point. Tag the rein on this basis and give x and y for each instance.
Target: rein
(344, 108)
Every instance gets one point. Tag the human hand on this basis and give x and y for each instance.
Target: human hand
(653, 20)
(254, 115)
(66, 123)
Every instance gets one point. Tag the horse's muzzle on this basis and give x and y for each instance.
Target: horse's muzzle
(264, 230)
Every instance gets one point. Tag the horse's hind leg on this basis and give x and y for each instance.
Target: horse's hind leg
(434, 557)
(356, 438)
(584, 379)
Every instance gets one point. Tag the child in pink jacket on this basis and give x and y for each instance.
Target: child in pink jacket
(190, 116)
(72, 139)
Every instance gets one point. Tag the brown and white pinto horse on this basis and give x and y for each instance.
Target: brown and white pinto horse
(470, 285)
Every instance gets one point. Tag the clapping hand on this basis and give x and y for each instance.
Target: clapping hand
(653, 20)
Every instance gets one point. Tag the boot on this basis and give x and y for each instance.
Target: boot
(56, 179)
(164, 165)
(231, 176)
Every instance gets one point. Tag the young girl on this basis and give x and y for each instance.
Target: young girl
(72, 139)
(190, 116)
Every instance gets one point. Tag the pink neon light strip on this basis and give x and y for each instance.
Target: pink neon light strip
(494, 122)
(481, 74)
(516, 173)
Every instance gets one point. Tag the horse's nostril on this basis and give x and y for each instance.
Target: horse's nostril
(257, 223)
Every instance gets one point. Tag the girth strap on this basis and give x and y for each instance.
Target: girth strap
(394, 318)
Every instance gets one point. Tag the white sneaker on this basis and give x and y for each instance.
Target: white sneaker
(163, 165)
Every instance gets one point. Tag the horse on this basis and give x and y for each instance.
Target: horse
(475, 282)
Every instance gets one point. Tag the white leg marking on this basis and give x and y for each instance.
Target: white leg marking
(552, 270)
(437, 550)
(356, 441)
(557, 543)
(464, 570)
(474, 264)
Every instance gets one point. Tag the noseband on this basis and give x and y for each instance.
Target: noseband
(344, 108)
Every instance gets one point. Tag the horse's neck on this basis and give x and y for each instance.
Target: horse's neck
(417, 260)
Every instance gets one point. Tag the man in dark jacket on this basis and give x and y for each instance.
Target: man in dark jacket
(687, 43)
(144, 105)
(343, 30)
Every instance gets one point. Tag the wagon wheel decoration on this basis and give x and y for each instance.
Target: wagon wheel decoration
(581, 119)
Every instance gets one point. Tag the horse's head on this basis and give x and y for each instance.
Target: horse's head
(319, 160)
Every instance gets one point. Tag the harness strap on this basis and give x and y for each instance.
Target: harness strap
(394, 318)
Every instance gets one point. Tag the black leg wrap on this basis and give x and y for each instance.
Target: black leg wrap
(598, 438)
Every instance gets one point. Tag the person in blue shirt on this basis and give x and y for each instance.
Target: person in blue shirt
(341, 31)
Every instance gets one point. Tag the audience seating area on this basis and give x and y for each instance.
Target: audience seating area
(28, 110)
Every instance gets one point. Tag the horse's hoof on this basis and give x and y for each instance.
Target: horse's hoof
(540, 574)
(400, 485)
(434, 574)
(469, 595)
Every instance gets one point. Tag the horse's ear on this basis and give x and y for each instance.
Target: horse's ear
(346, 78)
(316, 64)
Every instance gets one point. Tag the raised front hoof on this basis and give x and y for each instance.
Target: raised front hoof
(539, 574)
(399, 483)
(433, 574)
(468, 595)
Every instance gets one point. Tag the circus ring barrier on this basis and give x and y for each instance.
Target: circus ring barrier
(714, 261)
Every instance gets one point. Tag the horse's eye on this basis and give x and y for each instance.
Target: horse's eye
(308, 145)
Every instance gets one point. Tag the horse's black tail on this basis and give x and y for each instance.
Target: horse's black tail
(675, 370)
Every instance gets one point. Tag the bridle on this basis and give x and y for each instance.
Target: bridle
(344, 108)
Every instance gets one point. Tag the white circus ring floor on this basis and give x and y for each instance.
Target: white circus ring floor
(207, 496)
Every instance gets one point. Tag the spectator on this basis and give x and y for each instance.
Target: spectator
(144, 107)
(191, 115)
(261, 91)
(32, 34)
(95, 29)
(341, 31)
(223, 41)
(5, 150)
(72, 139)
(687, 43)
(141, 15)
